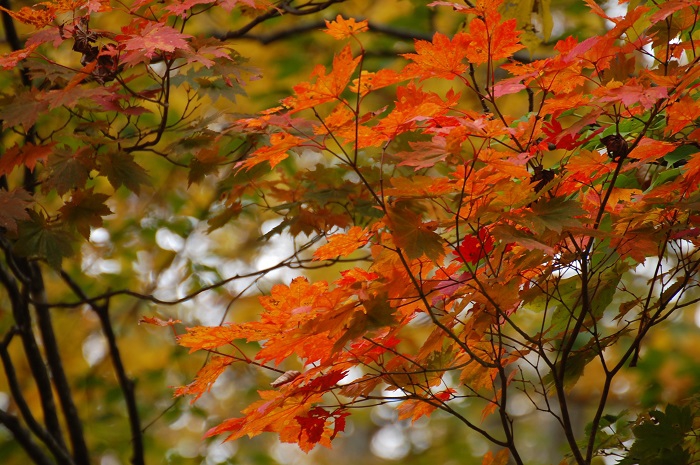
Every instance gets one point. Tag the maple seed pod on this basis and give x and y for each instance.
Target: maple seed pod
(287, 377)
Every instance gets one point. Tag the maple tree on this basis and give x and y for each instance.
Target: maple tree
(489, 222)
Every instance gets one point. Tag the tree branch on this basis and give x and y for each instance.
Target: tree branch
(57, 449)
(58, 374)
(125, 383)
(22, 317)
(24, 438)
(403, 34)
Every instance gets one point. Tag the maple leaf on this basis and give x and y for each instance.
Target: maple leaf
(13, 208)
(414, 105)
(369, 81)
(555, 214)
(85, 210)
(501, 458)
(441, 58)
(211, 337)
(681, 114)
(342, 245)
(97, 6)
(484, 43)
(344, 29)
(37, 17)
(12, 59)
(313, 424)
(474, 248)
(288, 308)
(420, 186)
(355, 276)
(413, 236)
(280, 144)
(121, 170)
(205, 161)
(276, 411)
(414, 409)
(39, 238)
(327, 87)
(151, 38)
(205, 377)
(22, 109)
(649, 150)
(508, 86)
(631, 93)
(153, 320)
(27, 155)
(68, 169)
(181, 8)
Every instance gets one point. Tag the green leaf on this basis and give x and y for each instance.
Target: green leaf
(121, 169)
(660, 437)
(555, 214)
(40, 239)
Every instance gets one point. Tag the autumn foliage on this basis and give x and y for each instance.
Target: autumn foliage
(479, 251)
(511, 235)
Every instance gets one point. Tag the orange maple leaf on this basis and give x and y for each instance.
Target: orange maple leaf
(681, 114)
(342, 245)
(211, 337)
(275, 411)
(205, 378)
(484, 43)
(501, 458)
(36, 17)
(280, 144)
(11, 60)
(154, 320)
(649, 150)
(369, 81)
(288, 308)
(327, 87)
(343, 29)
(414, 409)
(341, 124)
(414, 105)
(441, 58)
(27, 155)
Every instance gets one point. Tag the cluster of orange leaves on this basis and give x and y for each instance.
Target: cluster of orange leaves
(502, 233)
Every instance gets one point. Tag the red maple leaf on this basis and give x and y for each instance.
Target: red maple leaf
(474, 248)
(146, 40)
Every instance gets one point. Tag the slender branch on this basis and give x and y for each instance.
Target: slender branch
(24, 438)
(287, 262)
(22, 316)
(57, 449)
(125, 383)
(58, 374)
